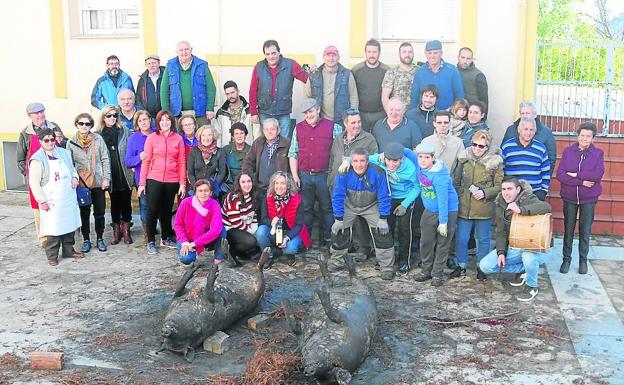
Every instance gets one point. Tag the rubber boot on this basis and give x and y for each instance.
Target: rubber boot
(125, 231)
(583, 266)
(565, 265)
(116, 233)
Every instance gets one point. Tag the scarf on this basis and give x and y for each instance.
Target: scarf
(85, 141)
(272, 147)
(209, 150)
(346, 143)
(281, 202)
(201, 210)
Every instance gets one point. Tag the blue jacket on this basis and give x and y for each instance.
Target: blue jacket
(402, 181)
(363, 192)
(341, 90)
(469, 131)
(198, 76)
(447, 79)
(105, 92)
(282, 103)
(436, 189)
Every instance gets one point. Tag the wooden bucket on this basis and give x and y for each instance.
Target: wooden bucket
(531, 232)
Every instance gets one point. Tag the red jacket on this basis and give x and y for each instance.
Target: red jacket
(289, 213)
(165, 161)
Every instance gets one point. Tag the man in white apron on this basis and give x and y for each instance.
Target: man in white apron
(53, 181)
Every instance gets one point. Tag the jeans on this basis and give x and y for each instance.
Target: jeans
(517, 261)
(143, 208)
(192, 255)
(314, 187)
(586, 218)
(265, 239)
(283, 121)
(483, 228)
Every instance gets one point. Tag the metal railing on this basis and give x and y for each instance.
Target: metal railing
(579, 81)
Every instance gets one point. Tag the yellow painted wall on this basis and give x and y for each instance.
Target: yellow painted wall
(59, 68)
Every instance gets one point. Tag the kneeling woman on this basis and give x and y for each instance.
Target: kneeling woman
(240, 219)
(282, 226)
(198, 224)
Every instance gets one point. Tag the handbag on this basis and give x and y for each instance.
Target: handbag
(83, 195)
(87, 178)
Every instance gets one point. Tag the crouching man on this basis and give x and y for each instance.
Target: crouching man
(516, 197)
(363, 192)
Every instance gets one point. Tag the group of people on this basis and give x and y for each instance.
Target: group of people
(400, 163)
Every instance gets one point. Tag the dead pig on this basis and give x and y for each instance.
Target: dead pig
(336, 333)
(201, 310)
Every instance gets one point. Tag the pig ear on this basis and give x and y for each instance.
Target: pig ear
(293, 323)
(210, 280)
(188, 274)
(332, 313)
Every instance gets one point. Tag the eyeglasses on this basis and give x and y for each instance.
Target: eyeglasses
(444, 122)
(111, 116)
(48, 140)
(481, 146)
(88, 124)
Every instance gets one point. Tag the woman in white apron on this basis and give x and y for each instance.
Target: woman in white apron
(53, 180)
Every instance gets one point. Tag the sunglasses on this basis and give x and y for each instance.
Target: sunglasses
(88, 124)
(110, 116)
(48, 140)
(481, 146)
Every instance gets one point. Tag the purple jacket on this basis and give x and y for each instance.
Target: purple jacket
(136, 143)
(588, 165)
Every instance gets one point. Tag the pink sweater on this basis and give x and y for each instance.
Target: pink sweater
(165, 161)
(191, 226)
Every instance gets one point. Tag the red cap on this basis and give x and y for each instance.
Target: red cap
(331, 49)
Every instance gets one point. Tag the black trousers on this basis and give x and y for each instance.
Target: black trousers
(243, 245)
(160, 197)
(121, 205)
(99, 207)
(585, 219)
(404, 232)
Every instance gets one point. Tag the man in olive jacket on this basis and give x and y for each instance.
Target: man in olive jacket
(516, 197)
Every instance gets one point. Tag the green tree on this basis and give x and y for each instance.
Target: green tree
(561, 19)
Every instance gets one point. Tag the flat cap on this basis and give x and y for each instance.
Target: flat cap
(34, 107)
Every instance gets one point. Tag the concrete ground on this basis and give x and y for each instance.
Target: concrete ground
(104, 312)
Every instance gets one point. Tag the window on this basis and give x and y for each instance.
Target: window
(419, 20)
(109, 17)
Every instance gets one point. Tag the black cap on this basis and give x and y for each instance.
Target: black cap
(393, 151)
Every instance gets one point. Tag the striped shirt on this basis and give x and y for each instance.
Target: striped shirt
(238, 213)
(528, 163)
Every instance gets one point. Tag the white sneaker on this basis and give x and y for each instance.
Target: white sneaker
(527, 294)
(519, 283)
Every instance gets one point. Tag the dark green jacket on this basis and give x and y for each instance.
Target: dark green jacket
(529, 205)
(486, 173)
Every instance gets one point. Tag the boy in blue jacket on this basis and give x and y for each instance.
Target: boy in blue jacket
(402, 177)
(363, 192)
(438, 221)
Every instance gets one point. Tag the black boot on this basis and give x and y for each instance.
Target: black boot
(583, 266)
(565, 265)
